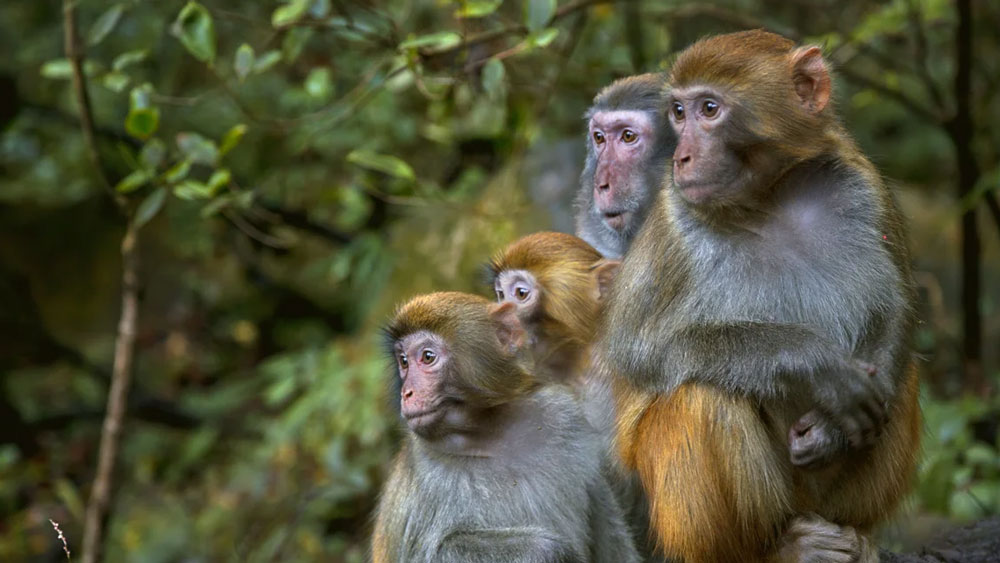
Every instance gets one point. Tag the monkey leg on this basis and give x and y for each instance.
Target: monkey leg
(865, 489)
(717, 488)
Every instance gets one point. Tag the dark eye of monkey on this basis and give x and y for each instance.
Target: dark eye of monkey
(428, 356)
(678, 111)
(629, 136)
(403, 362)
(522, 293)
(499, 295)
(709, 108)
(598, 137)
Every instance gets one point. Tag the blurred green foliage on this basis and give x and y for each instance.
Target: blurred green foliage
(301, 166)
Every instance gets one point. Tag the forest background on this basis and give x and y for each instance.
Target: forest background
(250, 187)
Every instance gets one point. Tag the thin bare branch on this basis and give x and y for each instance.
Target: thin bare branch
(75, 56)
(121, 379)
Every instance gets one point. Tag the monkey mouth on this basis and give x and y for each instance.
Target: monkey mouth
(615, 219)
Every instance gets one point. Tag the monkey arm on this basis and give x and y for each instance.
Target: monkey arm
(610, 538)
(763, 360)
(497, 545)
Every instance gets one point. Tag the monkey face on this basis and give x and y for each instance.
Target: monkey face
(621, 141)
(423, 361)
(520, 288)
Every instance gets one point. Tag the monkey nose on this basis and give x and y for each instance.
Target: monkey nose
(604, 187)
(407, 393)
(682, 160)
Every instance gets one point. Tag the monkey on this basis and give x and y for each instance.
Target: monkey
(629, 144)
(771, 278)
(497, 465)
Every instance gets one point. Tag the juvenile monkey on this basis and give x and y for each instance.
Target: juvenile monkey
(771, 278)
(496, 466)
(629, 143)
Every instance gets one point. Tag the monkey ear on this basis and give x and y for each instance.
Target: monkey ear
(605, 272)
(811, 78)
(510, 332)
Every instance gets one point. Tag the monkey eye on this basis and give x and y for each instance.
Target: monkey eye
(678, 110)
(428, 356)
(499, 295)
(598, 137)
(709, 108)
(629, 136)
(522, 293)
(403, 362)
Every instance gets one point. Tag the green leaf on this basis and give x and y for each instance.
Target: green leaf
(129, 58)
(153, 154)
(141, 97)
(104, 24)
(115, 81)
(382, 163)
(196, 31)
(439, 40)
(150, 206)
(319, 8)
(197, 149)
(294, 42)
(543, 38)
(243, 61)
(216, 205)
(477, 8)
(177, 172)
(289, 13)
(493, 78)
(318, 84)
(266, 61)
(134, 181)
(538, 13)
(192, 189)
(219, 180)
(57, 69)
(232, 138)
(142, 123)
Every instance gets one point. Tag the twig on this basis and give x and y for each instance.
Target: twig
(62, 538)
(253, 232)
(75, 57)
(121, 373)
(121, 378)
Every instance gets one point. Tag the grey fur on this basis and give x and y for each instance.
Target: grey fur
(774, 302)
(544, 499)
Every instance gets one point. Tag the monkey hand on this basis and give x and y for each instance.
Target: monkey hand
(855, 402)
(813, 441)
(810, 538)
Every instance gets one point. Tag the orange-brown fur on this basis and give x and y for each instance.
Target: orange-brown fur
(713, 461)
(564, 267)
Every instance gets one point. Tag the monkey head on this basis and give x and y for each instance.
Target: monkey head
(746, 108)
(457, 356)
(628, 148)
(555, 281)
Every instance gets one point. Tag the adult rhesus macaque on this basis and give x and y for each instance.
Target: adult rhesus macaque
(496, 466)
(771, 279)
(629, 143)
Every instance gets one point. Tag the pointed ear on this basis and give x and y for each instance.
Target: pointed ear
(604, 272)
(510, 332)
(811, 78)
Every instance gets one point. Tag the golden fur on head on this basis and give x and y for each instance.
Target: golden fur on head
(563, 265)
